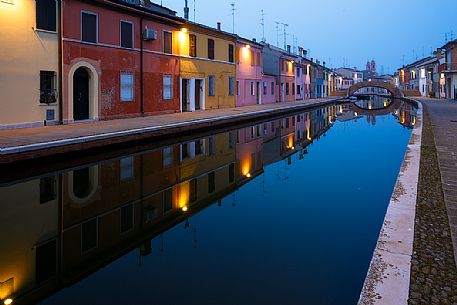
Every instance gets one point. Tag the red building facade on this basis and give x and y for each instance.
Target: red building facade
(118, 60)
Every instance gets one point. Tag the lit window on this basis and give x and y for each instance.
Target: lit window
(126, 86)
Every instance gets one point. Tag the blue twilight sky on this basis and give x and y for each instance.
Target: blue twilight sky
(340, 31)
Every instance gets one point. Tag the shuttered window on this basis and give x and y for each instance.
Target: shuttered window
(231, 53)
(210, 49)
(89, 27)
(46, 15)
(126, 34)
(167, 87)
(126, 86)
(252, 57)
(192, 45)
(167, 43)
(231, 86)
(212, 85)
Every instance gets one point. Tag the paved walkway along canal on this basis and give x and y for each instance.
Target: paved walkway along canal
(30, 142)
(433, 272)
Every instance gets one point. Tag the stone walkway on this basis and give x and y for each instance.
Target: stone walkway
(82, 135)
(443, 115)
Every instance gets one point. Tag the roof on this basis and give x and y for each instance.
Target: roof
(452, 42)
(211, 29)
(149, 8)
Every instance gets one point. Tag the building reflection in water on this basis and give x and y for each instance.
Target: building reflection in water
(61, 227)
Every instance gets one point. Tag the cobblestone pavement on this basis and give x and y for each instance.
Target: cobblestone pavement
(433, 268)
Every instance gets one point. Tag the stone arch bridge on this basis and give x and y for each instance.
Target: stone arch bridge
(396, 92)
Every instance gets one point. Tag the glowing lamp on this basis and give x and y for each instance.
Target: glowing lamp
(248, 46)
(185, 209)
(8, 301)
(184, 30)
(248, 175)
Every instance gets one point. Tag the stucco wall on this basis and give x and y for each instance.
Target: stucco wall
(24, 52)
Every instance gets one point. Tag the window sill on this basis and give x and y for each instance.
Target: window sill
(46, 31)
(49, 105)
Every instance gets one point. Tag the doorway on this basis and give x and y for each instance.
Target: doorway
(81, 95)
(185, 95)
(258, 96)
(198, 94)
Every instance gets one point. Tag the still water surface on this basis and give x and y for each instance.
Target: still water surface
(282, 212)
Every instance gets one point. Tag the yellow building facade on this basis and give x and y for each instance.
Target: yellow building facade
(29, 63)
(207, 68)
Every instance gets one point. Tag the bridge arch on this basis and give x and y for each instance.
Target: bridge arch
(396, 92)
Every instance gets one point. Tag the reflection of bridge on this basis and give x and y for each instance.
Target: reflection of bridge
(396, 92)
(396, 104)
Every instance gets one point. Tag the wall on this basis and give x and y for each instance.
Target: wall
(24, 52)
(247, 73)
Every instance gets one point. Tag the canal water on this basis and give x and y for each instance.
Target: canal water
(281, 212)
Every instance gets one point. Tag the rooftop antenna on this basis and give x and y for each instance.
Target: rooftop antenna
(233, 15)
(195, 19)
(295, 43)
(262, 23)
(277, 33)
(285, 25)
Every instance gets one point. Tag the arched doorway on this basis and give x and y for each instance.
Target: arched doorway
(81, 94)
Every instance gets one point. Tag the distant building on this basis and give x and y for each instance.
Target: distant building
(450, 70)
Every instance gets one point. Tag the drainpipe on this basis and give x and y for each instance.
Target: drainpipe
(141, 68)
(60, 73)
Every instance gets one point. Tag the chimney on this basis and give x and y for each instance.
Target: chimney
(323, 63)
(305, 53)
(253, 39)
(439, 53)
(288, 48)
(218, 26)
(186, 10)
(312, 59)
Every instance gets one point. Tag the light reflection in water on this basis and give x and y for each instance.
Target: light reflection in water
(63, 226)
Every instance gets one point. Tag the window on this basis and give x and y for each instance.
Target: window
(199, 147)
(46, 15)
(232, 173)
(231, 85)
(210, 49)
(89, 27)
(293, 88)
(258, 57)
(47, 189)
(265, 88)
(46, 263)
(231, 140)
(211, 85)
(192, 45)
(167, 42)
(237, 87)
(211, 182)
(298, 72)
(126, 34)
(167, 156)
(126, 86)
(193, 190)
(127, 218)
(168, 200)
(298, 89)
(287, 89)
(211, 146)
(272, 88)
(252, 57)
(231, 53)
(252, 89)
(47, 87)
(89, 238)
(127, 168)
(167, 87)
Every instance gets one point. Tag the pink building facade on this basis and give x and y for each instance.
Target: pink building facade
(249, 85)
(270, 90)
